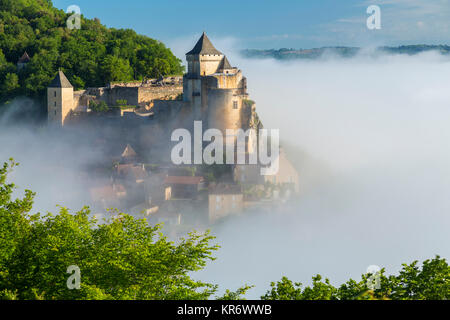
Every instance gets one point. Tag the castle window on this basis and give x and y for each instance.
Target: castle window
(235, 104)
(55, 103)
(55, 94)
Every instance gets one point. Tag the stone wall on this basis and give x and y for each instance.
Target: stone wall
(130, 94)
(209, 63)
(222, 205)
(224, 109)
(149, 82)
(167, 92)
(137, 96)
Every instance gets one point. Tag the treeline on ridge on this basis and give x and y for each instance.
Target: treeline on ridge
(90, 57)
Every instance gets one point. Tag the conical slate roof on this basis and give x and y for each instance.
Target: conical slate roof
(60, 81)
(225, 64)
(204, 46)
(25, 58)
(129, 152)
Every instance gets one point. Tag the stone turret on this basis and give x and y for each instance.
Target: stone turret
(59, 99)
(204, 59)
(216, 91)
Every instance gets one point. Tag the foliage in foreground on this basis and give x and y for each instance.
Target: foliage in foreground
(128, 259)
(430, 282)
(123, 259)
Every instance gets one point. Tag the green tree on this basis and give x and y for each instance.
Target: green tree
(114, 68)
(431, 282)
(98, 106)
(10, 84)
(124, 258)
(90, 57)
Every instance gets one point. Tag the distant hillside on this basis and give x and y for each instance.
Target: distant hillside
(346, 52)
(90, 57)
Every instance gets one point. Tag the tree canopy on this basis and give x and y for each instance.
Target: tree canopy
(90, 57)
(429, 282)
(126, 258)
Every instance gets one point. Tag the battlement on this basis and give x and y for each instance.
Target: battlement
(135, 93)
(212, 90)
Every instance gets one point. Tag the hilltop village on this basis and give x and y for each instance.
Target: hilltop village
(136, 121)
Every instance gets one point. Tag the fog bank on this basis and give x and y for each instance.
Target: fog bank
(372, 144)
(374, 166)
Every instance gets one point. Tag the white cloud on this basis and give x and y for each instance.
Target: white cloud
(403, 21)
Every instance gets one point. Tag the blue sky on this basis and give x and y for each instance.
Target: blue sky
(275, 24)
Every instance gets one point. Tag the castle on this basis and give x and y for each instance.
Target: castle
(211, 91)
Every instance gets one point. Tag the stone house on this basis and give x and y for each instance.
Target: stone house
(23, 61)
(185, 187)
(224, 200)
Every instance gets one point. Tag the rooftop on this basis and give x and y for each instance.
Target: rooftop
(60, 81)
(204, 46)
(129, 152)
(25, 58)
(225, 64)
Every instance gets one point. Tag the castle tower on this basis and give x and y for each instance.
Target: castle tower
(215, 90)
(59, 99)
(203, 60)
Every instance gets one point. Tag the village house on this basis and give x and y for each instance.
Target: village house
(224, 200)
(211, 91)
(108, 196)
(286, 177)
(23, 61)
(185, 187)
(129, 155)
